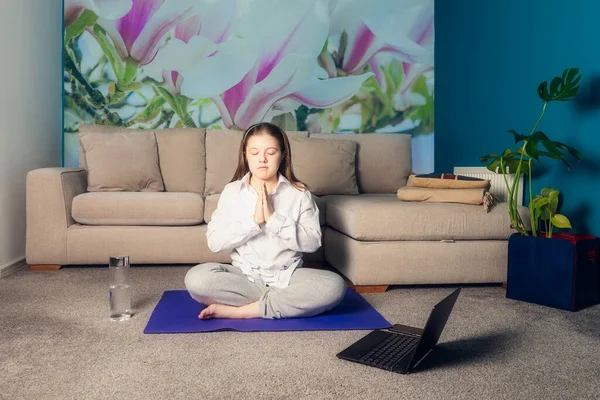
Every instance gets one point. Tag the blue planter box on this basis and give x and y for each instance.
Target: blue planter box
(559, 272)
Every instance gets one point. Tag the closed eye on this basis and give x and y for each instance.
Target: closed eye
(271, 153)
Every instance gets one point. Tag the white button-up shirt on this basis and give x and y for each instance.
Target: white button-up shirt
(268, 253)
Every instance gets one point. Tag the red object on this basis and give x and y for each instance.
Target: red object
(573, 238)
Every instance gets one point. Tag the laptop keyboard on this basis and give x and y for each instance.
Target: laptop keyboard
(389, 351)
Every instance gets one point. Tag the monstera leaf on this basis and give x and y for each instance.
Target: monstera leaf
(562, 88)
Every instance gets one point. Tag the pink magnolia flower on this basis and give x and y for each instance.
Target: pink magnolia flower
(110, 9)
(282, 75)
(214, 21)
(201, 51)
(139, 34)
(422, 33)
(379, 26)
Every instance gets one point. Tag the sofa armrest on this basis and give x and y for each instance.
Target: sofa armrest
(49, 197)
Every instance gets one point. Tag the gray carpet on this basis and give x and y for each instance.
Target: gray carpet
(56, 342)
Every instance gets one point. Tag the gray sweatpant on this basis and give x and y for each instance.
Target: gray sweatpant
(310, 292)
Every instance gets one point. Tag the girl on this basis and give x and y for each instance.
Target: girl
(267, 218)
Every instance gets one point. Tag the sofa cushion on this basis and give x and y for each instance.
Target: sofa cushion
(122, 162)
(144, 208)
(374, 217)
(321, 202)
(222, 148)
(383, 160)
(212, 201)
(181, 155)
(326, 166)
(210, 205)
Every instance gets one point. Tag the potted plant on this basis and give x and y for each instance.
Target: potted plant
(555, 270)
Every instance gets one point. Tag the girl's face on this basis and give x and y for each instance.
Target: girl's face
(263, 155)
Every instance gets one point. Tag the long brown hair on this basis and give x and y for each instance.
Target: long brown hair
(285, 167)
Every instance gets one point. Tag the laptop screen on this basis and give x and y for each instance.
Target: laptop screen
(434, 327)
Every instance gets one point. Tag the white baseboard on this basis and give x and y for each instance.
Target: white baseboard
(12, 266)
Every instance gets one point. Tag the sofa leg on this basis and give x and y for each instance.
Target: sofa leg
(366, 288)
(370, 289)
(44, 267)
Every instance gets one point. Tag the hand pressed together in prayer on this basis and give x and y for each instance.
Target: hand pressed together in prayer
(263, 210)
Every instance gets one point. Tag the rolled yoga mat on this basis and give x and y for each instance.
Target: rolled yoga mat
(177, 312)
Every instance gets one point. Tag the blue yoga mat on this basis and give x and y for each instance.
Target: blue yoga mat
(177, 312)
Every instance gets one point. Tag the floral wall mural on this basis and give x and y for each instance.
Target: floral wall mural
(326, 66)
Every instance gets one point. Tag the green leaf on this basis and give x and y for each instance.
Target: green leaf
(152, 110)
(531, 149)
(131, 67)
(201, 102)
(493, 166)
(543, 91)
(542, 201)
(556, 81)
(571, 150)
(129, 87)
(169, 98)
(552, 149)
(545, 214)
(513, 166)
(396, 72)
(562, 88)
(553, 204)
(111, 53)
(538, 136)
(336, 123)
(324, 49)
(517, 135)
(366, 112)
(572, 77)
(546, 154)
(425, 112)
(87, 18)
(560, 221)
(390, 88)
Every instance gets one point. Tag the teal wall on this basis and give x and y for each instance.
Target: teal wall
(490, 57)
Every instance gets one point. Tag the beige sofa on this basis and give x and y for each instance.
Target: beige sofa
(369, 236)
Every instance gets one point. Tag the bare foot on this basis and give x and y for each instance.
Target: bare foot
(223, 311)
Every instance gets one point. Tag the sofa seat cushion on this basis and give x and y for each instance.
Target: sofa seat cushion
(212, 201)
(138, 208)
(375, 217)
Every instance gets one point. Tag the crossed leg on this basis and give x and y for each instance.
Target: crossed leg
(229, 294)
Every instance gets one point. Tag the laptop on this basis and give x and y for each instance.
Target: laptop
(401, 348)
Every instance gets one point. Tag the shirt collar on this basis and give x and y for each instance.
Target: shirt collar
(281, 180)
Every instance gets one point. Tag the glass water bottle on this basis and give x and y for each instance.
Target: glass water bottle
(120, 289)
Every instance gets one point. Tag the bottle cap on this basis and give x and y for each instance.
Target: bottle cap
(119, 261)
